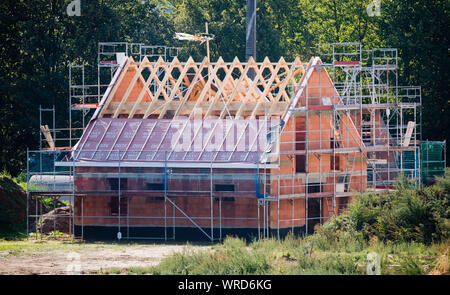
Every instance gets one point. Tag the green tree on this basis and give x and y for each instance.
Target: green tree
(39, 40)
(419, 29)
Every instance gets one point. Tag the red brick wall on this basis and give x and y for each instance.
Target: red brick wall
(241, 212)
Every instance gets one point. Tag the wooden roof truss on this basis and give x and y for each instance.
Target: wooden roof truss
(220, 89)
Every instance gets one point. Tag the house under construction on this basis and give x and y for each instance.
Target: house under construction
(171, 149)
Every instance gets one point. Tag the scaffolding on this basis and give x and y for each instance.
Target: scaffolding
(84, 98)
(158, 188)
(389, 114)
(347, 127)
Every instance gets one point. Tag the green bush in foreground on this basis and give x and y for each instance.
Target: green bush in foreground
(405, 215)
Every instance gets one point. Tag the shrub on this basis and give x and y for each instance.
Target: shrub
(410, 266)
(407, 214)
(338, 233)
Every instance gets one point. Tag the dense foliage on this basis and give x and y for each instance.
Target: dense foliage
(39, 40)
(408, 214)
(408, 228)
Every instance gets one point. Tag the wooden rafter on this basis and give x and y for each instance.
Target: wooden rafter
(198, 75)
(153, 75)
(207, 87)
(253, 84)
(161, 87)
(137, 74)
(116, 86)
(222, 88)
(236, 87)
(183, 73)
(267, 89)
(230, 93)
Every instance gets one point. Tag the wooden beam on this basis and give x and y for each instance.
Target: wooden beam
(236, 88)
(174, 105)
(212, 95)
(267, 88)
(142, 66)
(222, 87)
(253, 84)
(48, 136)
(183, 73)
(153, 73)
(211, 77)
(160, 90)
(116, 86)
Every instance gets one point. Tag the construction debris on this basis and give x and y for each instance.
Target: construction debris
(59, 219)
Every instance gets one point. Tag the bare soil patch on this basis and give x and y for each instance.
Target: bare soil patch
(85, 258)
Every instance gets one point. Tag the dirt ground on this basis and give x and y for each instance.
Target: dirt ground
(84, 258)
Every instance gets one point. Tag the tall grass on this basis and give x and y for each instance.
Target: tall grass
(408, 228)
(233, 257)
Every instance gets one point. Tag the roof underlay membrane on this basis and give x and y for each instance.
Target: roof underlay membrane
(175, 140)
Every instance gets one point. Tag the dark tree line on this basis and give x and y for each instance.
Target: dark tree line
(39, 40)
